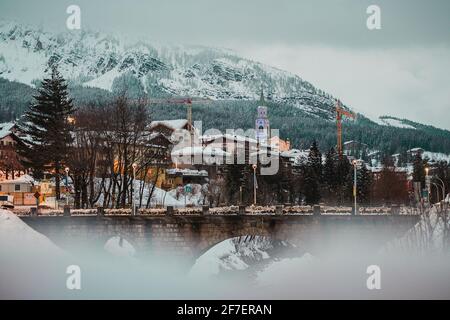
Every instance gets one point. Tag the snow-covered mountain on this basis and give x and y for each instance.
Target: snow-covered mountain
(96, 60)
(394, 122)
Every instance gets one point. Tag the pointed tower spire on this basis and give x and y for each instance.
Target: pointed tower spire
(261, 98)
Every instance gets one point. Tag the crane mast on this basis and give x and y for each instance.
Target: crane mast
(339, 113)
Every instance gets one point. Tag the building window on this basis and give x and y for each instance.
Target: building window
(0, 187)
(17, 187)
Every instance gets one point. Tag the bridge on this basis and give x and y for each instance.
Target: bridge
(190, 235)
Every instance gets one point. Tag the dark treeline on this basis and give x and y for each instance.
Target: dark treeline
(329, 179)
(15, 98)
(318, 179)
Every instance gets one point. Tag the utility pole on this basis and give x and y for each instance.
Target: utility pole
(255, 186)
(428, 184)
(240, 195)
(67, 185)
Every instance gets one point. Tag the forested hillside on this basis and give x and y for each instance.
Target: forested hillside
(294, 123)
(302, 128)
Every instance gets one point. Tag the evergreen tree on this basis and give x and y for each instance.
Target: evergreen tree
(364, 182)
(237, 176)
(419, 170)
(329, 172)
(313, 175)
(315, 161)
(344, 180)
(47, 123)
(387, 161)
(402, 159)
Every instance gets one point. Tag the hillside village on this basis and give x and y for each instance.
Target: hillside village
(145, 163)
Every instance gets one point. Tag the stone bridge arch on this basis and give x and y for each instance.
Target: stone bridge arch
(218, 230)
(189, 236)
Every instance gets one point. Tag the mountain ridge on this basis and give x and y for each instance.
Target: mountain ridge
(93, 59)
(97, 65)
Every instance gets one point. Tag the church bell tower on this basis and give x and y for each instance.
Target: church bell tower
(262, 125)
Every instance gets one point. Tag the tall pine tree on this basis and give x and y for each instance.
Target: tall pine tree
(47, 123)
(419, 170)
(329, 173)
(344, 180)
(364, 184)
(313, 175)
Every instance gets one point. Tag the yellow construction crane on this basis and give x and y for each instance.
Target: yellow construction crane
(339, 113)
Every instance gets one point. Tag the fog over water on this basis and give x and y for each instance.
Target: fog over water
(32, 267)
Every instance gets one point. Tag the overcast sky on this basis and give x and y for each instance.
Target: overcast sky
(401, 70)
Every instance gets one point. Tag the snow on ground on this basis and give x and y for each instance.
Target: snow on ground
(281, 271)
(16, 236)
(222, 256)
(164, 198)
(104, 81)
(13, 56)
(32, 266)
(194, 198)
(436, 156)
(120, 247)
(427, 235)
(168, 198)
(232, 254)
(393, 123)
(174, 197)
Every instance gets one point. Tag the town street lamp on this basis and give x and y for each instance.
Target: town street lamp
(443, 187)
(428, 183)
(67, 185)
(255, 184)
(134, 166)
(355, 163)
(437, 190)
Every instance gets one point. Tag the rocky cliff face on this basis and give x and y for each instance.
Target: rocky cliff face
(96, 60)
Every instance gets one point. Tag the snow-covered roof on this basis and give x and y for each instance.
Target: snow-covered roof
(155, 135)
(294, 153)
(373, 153)
(197, 150)
(207, 155)
(354, 141)
(231, 137)
(436, 156)
(265, 152)
(22, 179)
(415, 150)
(396, 169)
(5, 129)
(172, 124)
(187, 172)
